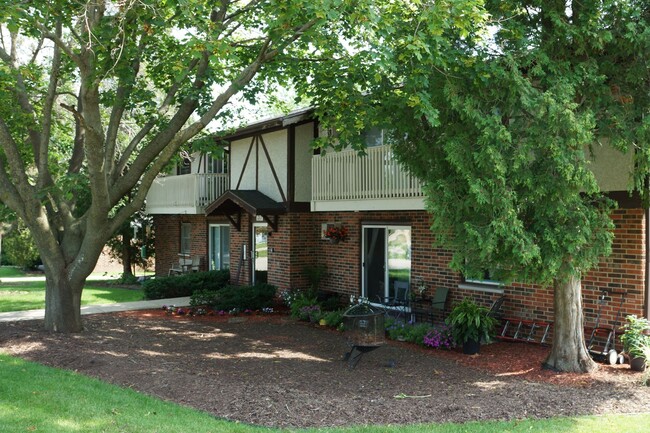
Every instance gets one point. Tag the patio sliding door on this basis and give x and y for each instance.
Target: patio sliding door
(386, 260)
(219, 247)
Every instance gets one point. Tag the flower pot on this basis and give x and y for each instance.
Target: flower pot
(470, 347)
(333, 241)
(637, 363)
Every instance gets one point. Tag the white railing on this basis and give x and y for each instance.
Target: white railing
(347, 176)
(189, 192)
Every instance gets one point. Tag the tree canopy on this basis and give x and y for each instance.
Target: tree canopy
(97, 97)
(500, 128)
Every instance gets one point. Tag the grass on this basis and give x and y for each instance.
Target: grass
(38, 398)
(30, 295)
(10, 271)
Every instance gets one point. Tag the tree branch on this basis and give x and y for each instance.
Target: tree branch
(42, 156)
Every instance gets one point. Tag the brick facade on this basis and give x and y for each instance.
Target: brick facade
(298, 244)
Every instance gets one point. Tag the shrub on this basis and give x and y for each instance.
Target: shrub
(310, 313)
(207, 298)
(301, 300)
(416, 333)
(239, 298)
(185, 285)
(329, 301)
(20, 249)
(334, 318)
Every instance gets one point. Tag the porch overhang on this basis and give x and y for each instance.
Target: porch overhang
(233, 202)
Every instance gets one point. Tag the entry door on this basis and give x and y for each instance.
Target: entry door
(386, 260)
(260, 252)
(219, 247)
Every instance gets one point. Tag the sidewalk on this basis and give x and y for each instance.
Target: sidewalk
(14, 316)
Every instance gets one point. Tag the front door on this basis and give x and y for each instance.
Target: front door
(260, 252)
(386, 261)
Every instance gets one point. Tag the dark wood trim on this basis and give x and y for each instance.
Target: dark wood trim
(291, 164)
(262, 128)
(625, 200)
(275, 174)
(271, 220)
(316, 135)
(243, 169)
(298, 206)
(257, 162)
(408, 222)
(235, 222)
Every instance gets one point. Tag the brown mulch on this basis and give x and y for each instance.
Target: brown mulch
(275, 371)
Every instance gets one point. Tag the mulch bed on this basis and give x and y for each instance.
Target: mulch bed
(274, 371)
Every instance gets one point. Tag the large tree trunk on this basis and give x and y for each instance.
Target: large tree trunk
(126, 253)
(569, 351)
(62, 303)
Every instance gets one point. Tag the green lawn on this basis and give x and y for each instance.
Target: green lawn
(38, 398)
(30, 295)
(10, 271)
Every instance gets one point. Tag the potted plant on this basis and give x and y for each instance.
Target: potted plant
(336, 233)
(635, 338)
(470, 324)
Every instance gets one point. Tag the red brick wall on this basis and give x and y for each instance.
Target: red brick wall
(298, 243)
(168, 239)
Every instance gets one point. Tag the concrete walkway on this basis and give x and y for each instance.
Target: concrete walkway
(13, 316)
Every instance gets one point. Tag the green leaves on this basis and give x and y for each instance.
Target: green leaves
(498, 124)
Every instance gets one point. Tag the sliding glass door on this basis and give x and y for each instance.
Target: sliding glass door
(386, 261)
(219, 246)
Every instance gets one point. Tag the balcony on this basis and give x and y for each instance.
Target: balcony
(345, 181)
(185, 194)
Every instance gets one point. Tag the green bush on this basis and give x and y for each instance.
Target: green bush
(416, 333)
(300, 301)
(334, 318)
(236, 297)
(185, 285)
(204, 298)
(19, 249)
(329, 301)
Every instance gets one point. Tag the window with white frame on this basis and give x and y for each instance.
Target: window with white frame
(186, 238)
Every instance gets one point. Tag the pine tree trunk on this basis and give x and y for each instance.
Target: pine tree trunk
(62, 303)
(569, 351)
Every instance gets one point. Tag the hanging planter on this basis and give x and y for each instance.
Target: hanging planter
(335, 234)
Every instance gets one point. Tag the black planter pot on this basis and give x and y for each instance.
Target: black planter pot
(471, 347)
(637, 363)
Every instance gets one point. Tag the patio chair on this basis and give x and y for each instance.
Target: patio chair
(438, 303)
(495, 309)
(196, 264)
(176, 269)
(399, 304)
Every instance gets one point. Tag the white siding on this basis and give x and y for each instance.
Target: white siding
(611, 167)
(304, 152)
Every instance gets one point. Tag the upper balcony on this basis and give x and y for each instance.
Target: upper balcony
(185, 194)
(345, 181)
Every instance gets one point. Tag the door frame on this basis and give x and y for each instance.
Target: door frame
(386, 228)
(210, 242)
(254, 248)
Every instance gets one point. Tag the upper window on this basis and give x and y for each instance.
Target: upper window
(186, 237)
(487, 278)
(217, 165)
(373, 137)
(185, 167)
